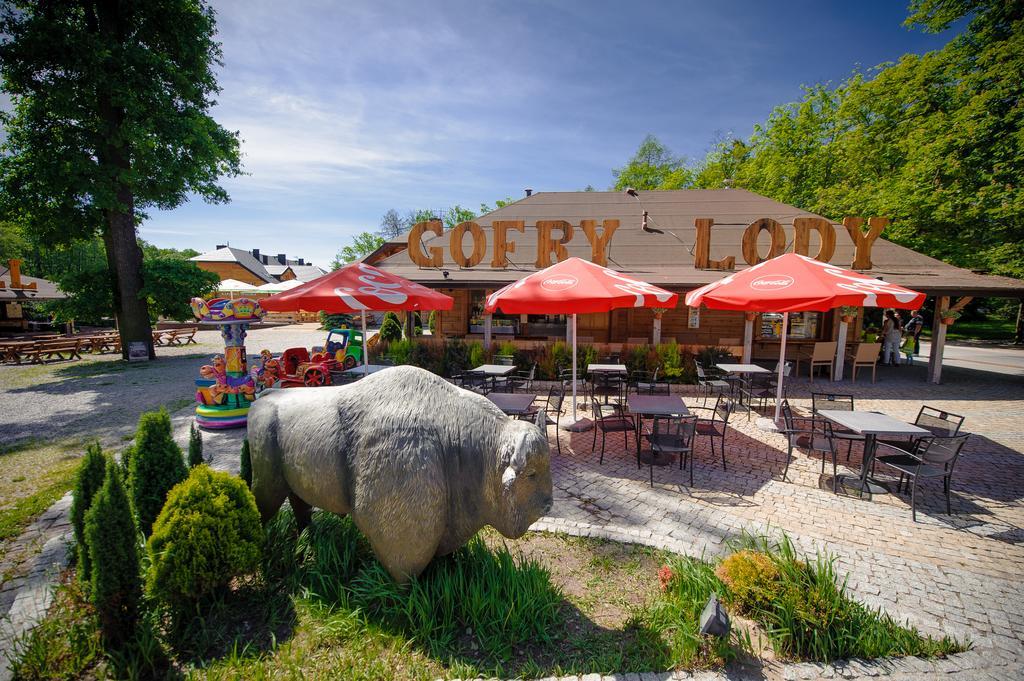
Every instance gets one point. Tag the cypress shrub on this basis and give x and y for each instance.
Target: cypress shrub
(208, 533)
(390, 328)
(245, 465)
(88, 482)
(195, 446)
(156, 467)
(111, 535)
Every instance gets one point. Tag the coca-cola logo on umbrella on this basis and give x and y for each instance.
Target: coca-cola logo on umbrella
(560, 283)
(772, 282)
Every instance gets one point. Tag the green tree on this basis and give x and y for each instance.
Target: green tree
(171, 283)
(653, 166)
(934, 141)
(362, 245)
(110, 532)
(500, 203)
(156, 466)
(392, 225)
(13, 242)
(109, 117)
(390, 328)
(88, 482)
(455, 215)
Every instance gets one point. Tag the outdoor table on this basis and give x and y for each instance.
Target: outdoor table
(654, 405)
(513, 404)
(870, 424)
(494, 371)
(606, 369)
(742, 370)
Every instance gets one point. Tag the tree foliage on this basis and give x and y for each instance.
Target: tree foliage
(935, 142)
(109, 118)
(195, 446)
(362, 245)
(653, 167)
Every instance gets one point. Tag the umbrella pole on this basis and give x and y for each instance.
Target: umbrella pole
(366, 357)
(782, 364)
(574, 368)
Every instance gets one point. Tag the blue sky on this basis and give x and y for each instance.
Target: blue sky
(348, 109)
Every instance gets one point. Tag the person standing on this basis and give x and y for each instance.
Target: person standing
(891, 335)
(913, 329)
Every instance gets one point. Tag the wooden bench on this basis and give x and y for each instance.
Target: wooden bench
(181, 336)
(158, 337)
(47, 350)
(102, 342)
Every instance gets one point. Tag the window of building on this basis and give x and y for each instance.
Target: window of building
(802, 325)
(501, 324)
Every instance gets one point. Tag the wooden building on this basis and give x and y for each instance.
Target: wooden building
(253, 267)
(687, 239)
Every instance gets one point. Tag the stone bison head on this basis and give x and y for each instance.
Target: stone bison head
(525, 467)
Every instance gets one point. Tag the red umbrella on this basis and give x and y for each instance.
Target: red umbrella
(358, 287)
(796, 283)
(576, 286)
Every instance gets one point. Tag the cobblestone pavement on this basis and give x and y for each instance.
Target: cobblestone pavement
(957, 575)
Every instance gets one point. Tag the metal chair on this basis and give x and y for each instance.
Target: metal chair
(553, 405)
(763, 387)
(718, 424)
(647, 383)
(933, 457)
(522, 379)
(836, 402)
(823, 443)
(940, 423)
(707, 384)
(610, 421)
(673, 435)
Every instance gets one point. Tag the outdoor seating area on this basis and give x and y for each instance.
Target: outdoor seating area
(42, 348)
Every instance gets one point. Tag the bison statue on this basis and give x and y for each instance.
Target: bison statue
(420, 464)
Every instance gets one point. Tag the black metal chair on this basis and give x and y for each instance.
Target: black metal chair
(717, 426)
(522, 379)
(673, 435)
(835, 402)
(647, 383)
(822, 442)
(929, 457)
(940, 423)
(609, 418)
(707, 384)
(555, 400)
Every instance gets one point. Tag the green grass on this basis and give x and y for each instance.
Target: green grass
(39, 475)
(321, 607)
(988, 329)
(809, 616)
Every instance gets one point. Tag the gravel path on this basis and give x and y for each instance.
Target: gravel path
(102, 396)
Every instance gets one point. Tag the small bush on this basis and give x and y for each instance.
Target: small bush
(432, 321)
(477, 354)
(156, 467)
(390, 328)
(112, 536)
(88, 482)
(245, 464)
(561, 355)
(454, 357)
(195, 446)
(208, 533)
(751, 578)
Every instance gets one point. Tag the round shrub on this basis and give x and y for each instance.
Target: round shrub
(390, 328)
(208, 533)
(752, 579)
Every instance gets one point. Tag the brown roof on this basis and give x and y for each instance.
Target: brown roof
(44, 290)
(665, 259)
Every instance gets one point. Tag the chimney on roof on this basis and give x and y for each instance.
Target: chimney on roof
(281, 259)
(529, 192)
(302, 261)
(220, 246)
(256, 254)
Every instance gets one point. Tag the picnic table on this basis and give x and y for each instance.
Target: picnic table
(870, 424)
(181, 336)
(654, 406)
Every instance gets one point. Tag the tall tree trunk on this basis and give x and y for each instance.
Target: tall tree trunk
(124, 257)
(1018, 335)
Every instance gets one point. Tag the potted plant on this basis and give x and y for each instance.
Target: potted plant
(849, 313)
(950, 316)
